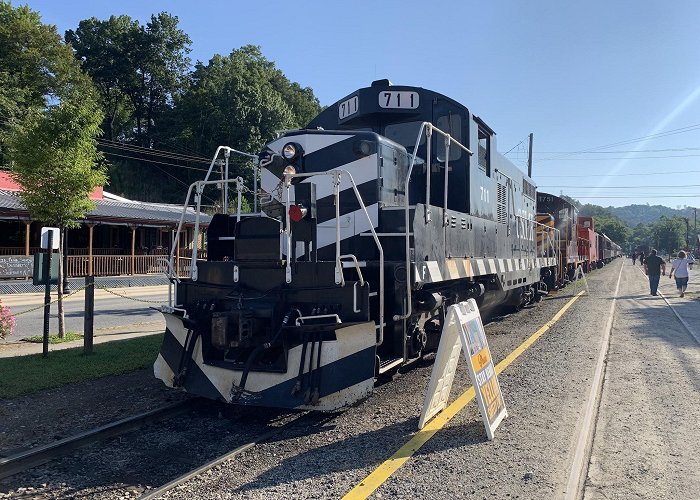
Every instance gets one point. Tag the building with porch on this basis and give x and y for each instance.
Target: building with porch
(119, 237)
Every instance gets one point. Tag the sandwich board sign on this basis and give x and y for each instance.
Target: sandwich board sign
(464, 331)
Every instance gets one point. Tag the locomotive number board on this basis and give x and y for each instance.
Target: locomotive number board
(348, 107)
(398, 99)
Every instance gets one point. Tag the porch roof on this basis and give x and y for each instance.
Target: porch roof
(112, 211)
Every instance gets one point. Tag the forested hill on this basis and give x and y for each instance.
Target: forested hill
(646, 214)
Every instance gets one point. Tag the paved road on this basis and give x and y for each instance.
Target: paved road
(112, 313)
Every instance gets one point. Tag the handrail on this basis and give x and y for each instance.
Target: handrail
(357, 266)
(553, 235)
(429, 128)
(172, 297)
(198, 195)
(336, 173)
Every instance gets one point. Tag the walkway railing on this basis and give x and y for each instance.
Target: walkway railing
(121, 265)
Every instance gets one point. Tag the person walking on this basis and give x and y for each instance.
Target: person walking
(641, 258)
(634, 257)
(654, 266)
(679, 267)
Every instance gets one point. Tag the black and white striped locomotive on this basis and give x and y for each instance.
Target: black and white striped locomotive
(376, 217)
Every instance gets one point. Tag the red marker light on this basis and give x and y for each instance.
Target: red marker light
(297, 212)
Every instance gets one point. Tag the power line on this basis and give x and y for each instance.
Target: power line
(627, 175)
(154, 152)
(629, 197)
(619, 151)
(155, 161)
(622, 187)
(681, 130)
(618, 158)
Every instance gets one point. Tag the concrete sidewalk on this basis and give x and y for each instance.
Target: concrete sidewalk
(14, 346)
(36, 299)
(687, 308)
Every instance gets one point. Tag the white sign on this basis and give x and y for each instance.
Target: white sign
(397, 99)
(45, 237)
(464, 331)
(348, 107)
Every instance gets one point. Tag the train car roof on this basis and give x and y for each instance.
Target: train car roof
(364, 108)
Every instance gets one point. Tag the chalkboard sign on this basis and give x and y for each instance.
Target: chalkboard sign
(16, 266)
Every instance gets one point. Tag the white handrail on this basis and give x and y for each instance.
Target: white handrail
(200, 188)
(199, 185)
(337, 173)
(357, 267)
(425, 126)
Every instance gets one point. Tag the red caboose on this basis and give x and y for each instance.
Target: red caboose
(587, 242)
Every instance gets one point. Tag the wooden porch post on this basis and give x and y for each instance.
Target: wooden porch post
(177, 256)
(133, 249)
(27, 225)
(91, 227)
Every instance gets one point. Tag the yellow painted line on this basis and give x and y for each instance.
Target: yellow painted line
(392, 464)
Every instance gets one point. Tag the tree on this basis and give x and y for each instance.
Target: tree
(55, 160)
(668, 234)
(240, 100)
(138, 70)
(35, 67)
(103, 48)
(613, 228)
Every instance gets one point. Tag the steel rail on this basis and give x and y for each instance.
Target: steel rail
(152, 494)
(41, 454)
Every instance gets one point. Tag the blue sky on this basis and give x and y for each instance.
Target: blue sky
(618, 80)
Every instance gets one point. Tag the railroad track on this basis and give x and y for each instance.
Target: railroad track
(273, 426)
(41, 454)
(262, 438)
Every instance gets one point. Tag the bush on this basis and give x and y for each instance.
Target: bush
(7, 321)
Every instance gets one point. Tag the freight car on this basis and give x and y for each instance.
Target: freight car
(587, 243)
(557, 213)
(392, 204)
(607, 249)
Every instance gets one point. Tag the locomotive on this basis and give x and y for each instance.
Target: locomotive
(389, 206)
(576, 241)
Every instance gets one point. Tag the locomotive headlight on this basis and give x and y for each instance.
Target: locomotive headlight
(363, 148)
(291, 150)
(289, 170)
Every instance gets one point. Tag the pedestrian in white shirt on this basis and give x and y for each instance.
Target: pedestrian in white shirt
(679, 268)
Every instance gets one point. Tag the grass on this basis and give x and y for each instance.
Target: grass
(54, 339)
(22, 375)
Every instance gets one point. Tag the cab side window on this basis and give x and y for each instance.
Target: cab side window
(484, 151)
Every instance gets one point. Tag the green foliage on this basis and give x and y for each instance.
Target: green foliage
(668, 234)
(27, 374)
(613, 228)
(239, 100)
(54, 158)
(54, 339)
(605, 222)
(36, 68)
(648, 214)
(137, 69)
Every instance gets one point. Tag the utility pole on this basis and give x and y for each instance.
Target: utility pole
(529, 158)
